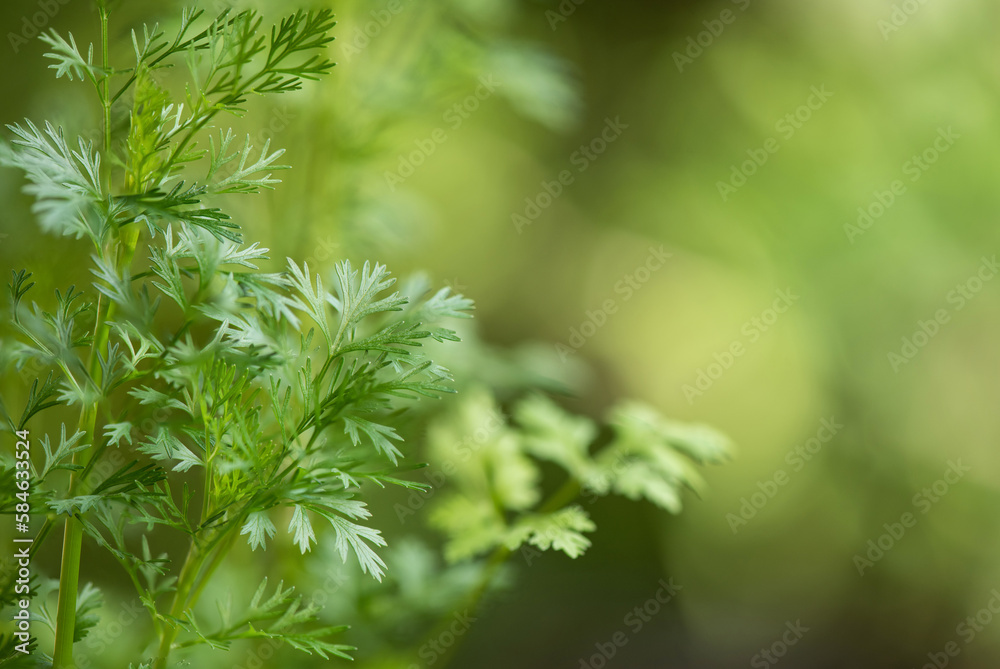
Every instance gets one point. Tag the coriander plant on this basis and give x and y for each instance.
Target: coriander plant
(195, 395)
(270, 390)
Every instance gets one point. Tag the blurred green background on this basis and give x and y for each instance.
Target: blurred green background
(693, 91)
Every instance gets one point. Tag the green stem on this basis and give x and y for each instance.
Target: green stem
(69, 570)
(560, 498)
(190, 583)
(41, 536)
(105, 84)
(568, 492)
(220, 553)
(69, 576)
(192, 565)
(191, 580)
(493, 565)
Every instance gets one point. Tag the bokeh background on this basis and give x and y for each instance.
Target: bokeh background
(695, 90)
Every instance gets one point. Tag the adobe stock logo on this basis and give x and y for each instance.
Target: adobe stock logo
(959, 296)
(914, 168)
(635, 620)
(566, 9)
(366, 32)
(968, 629)
(581, 159)
(33, 25)
(771, 655)
(796, 458)
(626, 288)
(455, 116)
(697, 44)
(924, 501)
(786, 126)
(753, 330)
(437, 647)
(899, 17)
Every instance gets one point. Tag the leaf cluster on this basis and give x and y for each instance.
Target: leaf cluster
(216, 399)
(495, 496)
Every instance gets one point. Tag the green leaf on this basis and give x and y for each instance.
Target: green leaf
(315, 296)
(115, 432)
(636, 480)
(57, 459)
(561, 530)
(40, 399)
(267, 293)
(357, 537)
(130, 477)
(68, 60)
(19, 287)
(312, 642)
(515, 477)
(301, 529)
(165, 446)
(652, 457)
(65, 184)
(164, 266)
(295, 37)
(244, 178)
(147, 395)
(76, 505)
(471, 525)
(88, 603)
(552, 434)
(378, 435)
(158, 208)
(356, 295)
(701, 442)
(260, 528)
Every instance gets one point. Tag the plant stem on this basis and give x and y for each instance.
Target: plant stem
(189, 586)
(568, 492)
(40, 537)
(192, 565)
(69, 570)
(220, 553)
(493, 565)
(69, 576)
(106, 83)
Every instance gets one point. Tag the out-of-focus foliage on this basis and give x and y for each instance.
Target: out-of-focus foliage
(497, 503)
